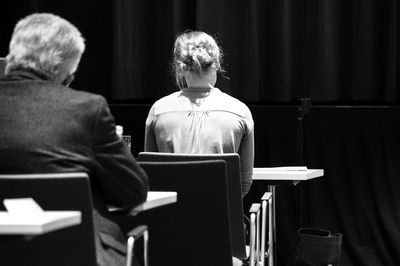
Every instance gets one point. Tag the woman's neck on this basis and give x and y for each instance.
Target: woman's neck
(202, 80)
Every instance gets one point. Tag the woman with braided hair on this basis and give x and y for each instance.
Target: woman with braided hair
(200, 119)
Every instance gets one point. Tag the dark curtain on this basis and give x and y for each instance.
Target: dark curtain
(359, 150)
(275, 51)
(359, 195)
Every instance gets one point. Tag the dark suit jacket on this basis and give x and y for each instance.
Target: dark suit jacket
(45, 127)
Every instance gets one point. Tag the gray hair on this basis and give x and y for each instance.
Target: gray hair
(46, 43)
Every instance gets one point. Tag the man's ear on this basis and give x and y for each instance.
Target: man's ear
(68, 80)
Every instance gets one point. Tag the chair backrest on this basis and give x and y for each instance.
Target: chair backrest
(234, 190)
(69, 246)
(194, 230)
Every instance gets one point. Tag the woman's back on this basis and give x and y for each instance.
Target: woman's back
(198, 121)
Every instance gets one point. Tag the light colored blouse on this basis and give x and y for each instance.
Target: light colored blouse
(202, 121)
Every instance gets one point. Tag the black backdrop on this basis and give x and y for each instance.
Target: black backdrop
(276, 51)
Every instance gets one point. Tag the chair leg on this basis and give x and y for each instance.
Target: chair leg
(254, 259)
(145, 248)
(252, 238)
(266, 202)
(270, 235)
(263, 231)
(136, 233)
(129, 254)
(258, 251)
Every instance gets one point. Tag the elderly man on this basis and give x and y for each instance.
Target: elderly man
(47, 127)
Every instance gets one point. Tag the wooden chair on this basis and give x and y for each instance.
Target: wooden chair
(195, 230)
(69, 246)
(232, 160)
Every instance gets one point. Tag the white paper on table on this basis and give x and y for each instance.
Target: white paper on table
(284, 168)
(22, 206)
(24, 216)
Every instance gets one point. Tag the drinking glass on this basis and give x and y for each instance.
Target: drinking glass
(127, 140)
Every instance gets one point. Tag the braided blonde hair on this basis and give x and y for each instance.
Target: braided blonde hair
(195, 51)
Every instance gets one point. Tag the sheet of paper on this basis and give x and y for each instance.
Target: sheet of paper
(22, 206)
(285, 168)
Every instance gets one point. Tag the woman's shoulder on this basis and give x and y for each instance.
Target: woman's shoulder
(233, 104)
(169, 103)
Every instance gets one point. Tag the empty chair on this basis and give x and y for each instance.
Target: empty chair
(69, 246)
(195, 230)
(234, 190)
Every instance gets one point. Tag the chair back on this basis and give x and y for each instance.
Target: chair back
(234, 190)
(195, 230)
(69, 246)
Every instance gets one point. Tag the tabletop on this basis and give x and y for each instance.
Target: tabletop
(157, 199)
(24, 216)
(286, 173)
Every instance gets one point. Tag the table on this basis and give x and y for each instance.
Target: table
(25, 217)
(154, 199)
(282, 175)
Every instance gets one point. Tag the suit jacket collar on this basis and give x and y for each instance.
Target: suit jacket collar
(26, 74)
